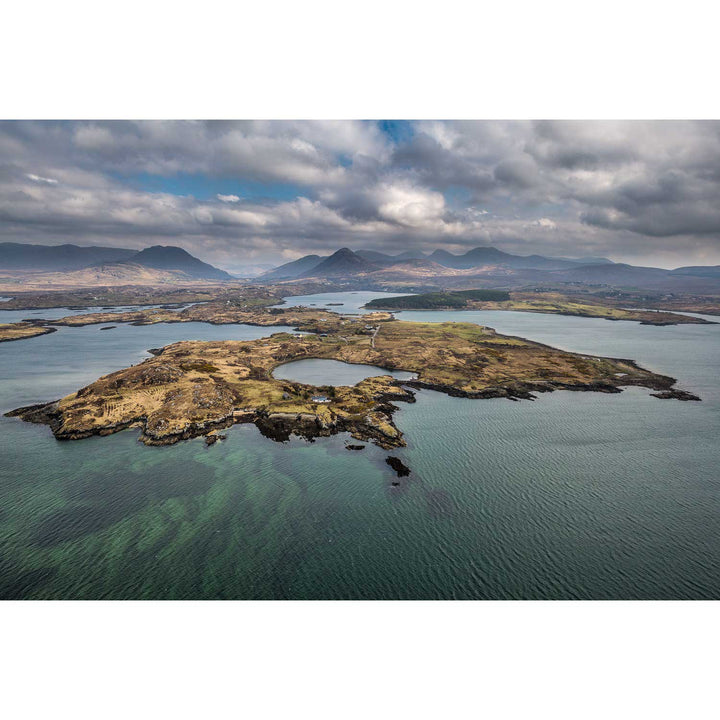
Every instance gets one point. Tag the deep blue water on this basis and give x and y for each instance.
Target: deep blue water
(575, 495)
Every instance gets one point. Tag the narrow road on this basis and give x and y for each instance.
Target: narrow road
(372, 339)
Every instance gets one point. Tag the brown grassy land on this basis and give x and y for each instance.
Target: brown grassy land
(248, 311)
(21, 331)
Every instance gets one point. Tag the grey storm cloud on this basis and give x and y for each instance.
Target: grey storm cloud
(639, 190)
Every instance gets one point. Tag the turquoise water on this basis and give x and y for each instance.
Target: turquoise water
(575, 495)
(332, 372)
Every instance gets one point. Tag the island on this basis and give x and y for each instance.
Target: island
(195, 388)
(545, 302)
(238, 311)
(22, 331)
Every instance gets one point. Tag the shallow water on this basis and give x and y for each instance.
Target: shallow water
(574, 495)
(316, 371)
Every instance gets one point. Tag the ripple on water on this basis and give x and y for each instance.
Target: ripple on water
(575, 495)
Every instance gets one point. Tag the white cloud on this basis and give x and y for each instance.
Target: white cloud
(39, 179)
(228, 198)
(408, 205)
(546, 223)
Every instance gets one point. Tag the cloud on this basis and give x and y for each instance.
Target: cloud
(39, 179)
(636, 189)
(409, 206)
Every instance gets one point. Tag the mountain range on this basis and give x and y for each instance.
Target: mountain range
(479, 267)
(70, 258)
(345, 261)
(490, 267)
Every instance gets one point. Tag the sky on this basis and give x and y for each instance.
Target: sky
(245, 193)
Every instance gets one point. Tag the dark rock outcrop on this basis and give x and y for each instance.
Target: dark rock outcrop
(675, 394)
(398, 466)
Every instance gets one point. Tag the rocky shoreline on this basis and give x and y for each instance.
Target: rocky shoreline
(16, 331)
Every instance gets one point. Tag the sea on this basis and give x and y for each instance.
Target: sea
(572, 496)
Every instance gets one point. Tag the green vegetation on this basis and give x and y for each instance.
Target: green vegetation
(435, 300)
(202, 367)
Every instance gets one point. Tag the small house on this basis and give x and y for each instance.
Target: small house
(320, 399)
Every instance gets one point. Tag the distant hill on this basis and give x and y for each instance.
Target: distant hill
(104, 275)
(411, 255)
(477, 257)
(615, 274)
(375, 256)
(169, 257)
(431, 301)
(57, 258)
(342, 262)
(294, 269)
(588, 260)
(708, 271)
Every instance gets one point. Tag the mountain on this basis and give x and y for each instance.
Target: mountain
(708, 271)
(310, 265)
(169, 257)
(104, 275)
(294, 269)
(411, 255)
(69, 258)
(444, 258)
(415, 269)
(490, 267)
(375, 256)
(58, 258)
(589, 260)
(616, 274)
(477, 257)
(342, 262)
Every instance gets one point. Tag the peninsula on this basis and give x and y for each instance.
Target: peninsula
(546, 302)
(22, 331)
